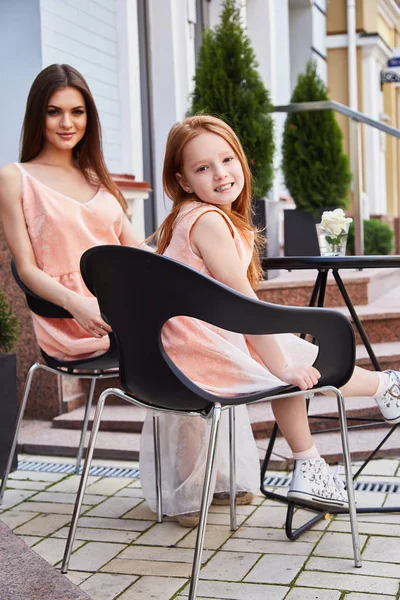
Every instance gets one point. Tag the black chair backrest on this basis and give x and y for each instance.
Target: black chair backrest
(138, 291)
(38, 305)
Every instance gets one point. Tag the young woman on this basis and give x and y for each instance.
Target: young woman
(207, 177)
(57, 202)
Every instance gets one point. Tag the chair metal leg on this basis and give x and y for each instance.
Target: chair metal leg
(28, 383)
(83, 481)
(157, 466)
(232, 466)
(85, 425)
(349, 480)
(194, 581)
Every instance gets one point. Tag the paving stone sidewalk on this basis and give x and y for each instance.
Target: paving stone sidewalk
(120, 552)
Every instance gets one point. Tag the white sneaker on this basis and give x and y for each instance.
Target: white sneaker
(389, 402)
(315, 483)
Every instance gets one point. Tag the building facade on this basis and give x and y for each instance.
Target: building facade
(139, 58)
(377, 34)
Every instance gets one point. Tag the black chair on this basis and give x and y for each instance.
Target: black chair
(99, 367)
(138, 292)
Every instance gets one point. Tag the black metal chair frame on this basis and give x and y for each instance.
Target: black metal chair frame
(99, 367)
(324, 265)
(138, 292)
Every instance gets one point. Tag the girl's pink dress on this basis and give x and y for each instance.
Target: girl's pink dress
(61, 229)
(221, 362)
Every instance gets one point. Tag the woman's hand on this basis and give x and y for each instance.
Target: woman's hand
(87, 313)
(302, 376)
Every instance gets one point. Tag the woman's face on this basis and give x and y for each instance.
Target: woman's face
(66, 119)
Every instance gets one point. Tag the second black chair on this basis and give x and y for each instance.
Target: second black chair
(99, 367)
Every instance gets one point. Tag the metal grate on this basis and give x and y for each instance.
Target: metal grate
(69, 469)
(271, 481)
(360, 486)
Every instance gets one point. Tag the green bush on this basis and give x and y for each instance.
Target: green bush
(8, 326)
(227, 85)
(378, 238)
(315, 169)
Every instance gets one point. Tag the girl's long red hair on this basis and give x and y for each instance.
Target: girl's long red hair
(241, 212)
(88, 153)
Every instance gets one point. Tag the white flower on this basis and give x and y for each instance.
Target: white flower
(335, 222)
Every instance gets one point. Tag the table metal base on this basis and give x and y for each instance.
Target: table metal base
(317, 298)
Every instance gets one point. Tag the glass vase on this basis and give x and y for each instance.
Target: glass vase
(330, 244)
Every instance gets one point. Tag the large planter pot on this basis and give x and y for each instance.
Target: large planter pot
(8, 408)
(300, 233)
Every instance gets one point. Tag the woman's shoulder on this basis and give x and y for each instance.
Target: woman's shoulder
(10, 183)
(9, 173)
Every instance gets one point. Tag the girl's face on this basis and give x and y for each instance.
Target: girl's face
(66, 119)
(211, 170)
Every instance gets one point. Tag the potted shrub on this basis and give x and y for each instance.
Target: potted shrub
(8, 388)
(315, 169)
(378, 238)
(228, 85)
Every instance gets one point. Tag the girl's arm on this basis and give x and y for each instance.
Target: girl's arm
(212, 240)
(84, 310)
(128, 237)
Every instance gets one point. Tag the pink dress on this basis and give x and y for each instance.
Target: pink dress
(61, 229)
(221, 362)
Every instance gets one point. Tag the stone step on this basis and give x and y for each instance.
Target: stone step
(40, 438)
(125, 418)
(361, 442)
(387, 353)
(380, 318)
(130, 418)
(323, 414)
(295, 287)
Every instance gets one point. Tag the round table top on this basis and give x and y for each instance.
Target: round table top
(330, 262)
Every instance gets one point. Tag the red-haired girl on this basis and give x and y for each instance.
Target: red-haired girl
(207, 177)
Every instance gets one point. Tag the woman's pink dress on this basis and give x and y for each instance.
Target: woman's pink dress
(61, 229)
(221, 362)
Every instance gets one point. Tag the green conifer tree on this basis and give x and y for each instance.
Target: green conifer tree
(315, 169)
(228, 85)
(8, 326)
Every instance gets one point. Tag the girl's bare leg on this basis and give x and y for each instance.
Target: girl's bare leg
(291, 416)
(362, 383)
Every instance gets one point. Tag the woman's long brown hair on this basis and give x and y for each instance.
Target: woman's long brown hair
(88, 153)
(241, 212)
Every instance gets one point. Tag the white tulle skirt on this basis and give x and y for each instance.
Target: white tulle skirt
(184, 440)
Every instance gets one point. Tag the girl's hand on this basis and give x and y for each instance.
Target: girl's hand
(302, 376)
(87, 313)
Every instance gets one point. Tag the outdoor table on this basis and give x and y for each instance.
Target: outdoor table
(324, 264)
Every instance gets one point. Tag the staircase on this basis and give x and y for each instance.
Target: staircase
(376, 297)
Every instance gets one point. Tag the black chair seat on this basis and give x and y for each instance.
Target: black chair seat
(102, 362)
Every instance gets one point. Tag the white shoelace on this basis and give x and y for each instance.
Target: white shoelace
(335, 480)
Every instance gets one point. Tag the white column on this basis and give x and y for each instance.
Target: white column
(307, 37)
(129, 86)
(373, 140)
(268, 29)
(171, 66)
